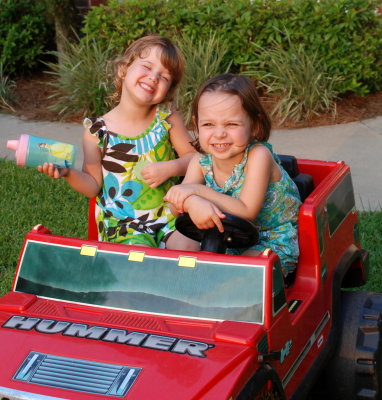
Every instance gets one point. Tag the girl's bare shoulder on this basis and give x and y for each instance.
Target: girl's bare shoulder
(259, 151)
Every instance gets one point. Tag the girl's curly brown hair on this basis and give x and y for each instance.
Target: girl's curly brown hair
(171, 58)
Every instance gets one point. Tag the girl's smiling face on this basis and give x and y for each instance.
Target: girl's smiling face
(146, 80)
(224, 127)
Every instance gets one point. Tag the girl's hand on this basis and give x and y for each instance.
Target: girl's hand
(52, 171)
(204, 214)
(178, 194)
(156, 173)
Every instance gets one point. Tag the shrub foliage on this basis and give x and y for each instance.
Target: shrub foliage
(297, 79)
(6, 87)
(342, 37)
(24, 35)
(83, 81)
(203, 60)
(346, 35)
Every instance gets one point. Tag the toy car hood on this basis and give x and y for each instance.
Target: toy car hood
(57, 350)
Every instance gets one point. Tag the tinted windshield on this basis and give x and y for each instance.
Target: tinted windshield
(139, 282)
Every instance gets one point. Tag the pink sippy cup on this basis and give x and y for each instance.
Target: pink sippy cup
(32, 151)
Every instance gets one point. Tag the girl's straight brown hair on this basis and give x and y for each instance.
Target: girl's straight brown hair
(245, 89)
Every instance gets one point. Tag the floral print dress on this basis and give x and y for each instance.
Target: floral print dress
(277, 219)
(128, 210)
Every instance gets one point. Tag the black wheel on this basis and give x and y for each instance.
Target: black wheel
(264, 385)
(268, 392)
(355, 369)
(238, 232)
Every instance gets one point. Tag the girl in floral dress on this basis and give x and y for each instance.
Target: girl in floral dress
(133, 153)
(237, 172)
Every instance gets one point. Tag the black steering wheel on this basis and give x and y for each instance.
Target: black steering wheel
(238, 232)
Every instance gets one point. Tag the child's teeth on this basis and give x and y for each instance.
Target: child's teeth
(146, 86)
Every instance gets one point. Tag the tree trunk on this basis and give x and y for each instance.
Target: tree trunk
(65, 17)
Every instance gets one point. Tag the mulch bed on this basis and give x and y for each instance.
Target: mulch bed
(32, 97)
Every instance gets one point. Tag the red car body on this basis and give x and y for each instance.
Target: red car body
(53, 345)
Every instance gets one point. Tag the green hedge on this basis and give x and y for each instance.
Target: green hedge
(347, 34)
(24, 35)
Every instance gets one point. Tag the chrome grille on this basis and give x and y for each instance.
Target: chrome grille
(79, 375)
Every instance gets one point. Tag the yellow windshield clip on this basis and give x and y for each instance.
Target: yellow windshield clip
(186, 261)
(137, 256)
(87, 250)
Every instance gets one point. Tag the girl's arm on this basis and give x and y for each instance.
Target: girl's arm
(178, 193)
(156, 173)
(204, 213)
(260, 170)
(89, 180)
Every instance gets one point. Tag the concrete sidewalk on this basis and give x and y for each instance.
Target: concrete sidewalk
(359, 144)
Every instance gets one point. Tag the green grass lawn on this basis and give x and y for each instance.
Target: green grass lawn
(29, 198)
(371, 239)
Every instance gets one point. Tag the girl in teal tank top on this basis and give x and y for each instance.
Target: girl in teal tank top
(237, 172)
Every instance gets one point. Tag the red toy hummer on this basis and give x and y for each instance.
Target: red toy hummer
(90, 320)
